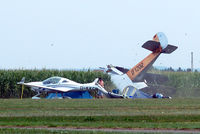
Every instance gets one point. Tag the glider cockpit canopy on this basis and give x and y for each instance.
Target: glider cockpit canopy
(54, 80)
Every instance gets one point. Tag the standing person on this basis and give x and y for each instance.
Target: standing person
(101, 82)
(100, 94)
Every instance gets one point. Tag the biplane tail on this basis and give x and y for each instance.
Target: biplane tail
(158, 45)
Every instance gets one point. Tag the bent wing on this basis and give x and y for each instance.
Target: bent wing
(139, 85)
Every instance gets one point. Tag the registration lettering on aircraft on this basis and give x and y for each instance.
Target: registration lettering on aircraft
(87, 88)
(137, 68)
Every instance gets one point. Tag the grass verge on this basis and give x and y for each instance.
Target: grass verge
(171, 121)
(102, 113)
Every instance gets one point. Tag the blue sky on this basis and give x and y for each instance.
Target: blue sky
(77, 34)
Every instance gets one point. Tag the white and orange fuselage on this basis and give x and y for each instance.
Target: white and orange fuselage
(125, 80)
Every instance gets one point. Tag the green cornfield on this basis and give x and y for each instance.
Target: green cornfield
(9, 79)
(179, 84)
(187, 84)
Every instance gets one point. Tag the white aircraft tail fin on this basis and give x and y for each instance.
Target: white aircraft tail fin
(95, 81)
(22, 81)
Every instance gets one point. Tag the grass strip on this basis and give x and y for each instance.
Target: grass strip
(166, 121)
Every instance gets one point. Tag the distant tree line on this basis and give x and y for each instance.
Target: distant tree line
(170, 69)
